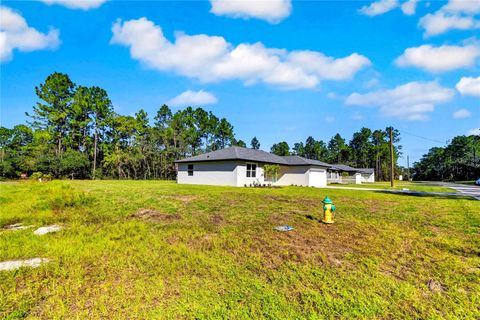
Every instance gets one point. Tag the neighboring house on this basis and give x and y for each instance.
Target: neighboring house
(368, 175)
(236, 166)
(341, 173)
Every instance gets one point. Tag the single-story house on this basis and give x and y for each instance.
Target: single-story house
(237, 166)
(341, 173)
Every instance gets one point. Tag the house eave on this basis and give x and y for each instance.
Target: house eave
(252, 160)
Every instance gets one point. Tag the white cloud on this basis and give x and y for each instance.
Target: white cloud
(329, 119)
(193, 98)
(462, 6)
(16, 34)
(371, 83)
(474, 132)
(456, 14)
(409, 7)
(328, 67)
(357, 116)
(212, 58)
(439, 59)
(379, 7)
(332, 95)
(440, 22)
(77, 4)
(461, 114)
(410, 101)
(272, 11)
(469, 86)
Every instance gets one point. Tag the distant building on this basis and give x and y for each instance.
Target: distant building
(236, 166)
(341, 173)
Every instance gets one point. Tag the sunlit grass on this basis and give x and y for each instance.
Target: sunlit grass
(211, 252)
(399, 185)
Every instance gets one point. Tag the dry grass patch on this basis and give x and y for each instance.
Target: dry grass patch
(185, 198)
(216, 219)
(151, 215)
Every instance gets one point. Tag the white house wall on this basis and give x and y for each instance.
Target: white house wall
(210, 173)
(317, 177)
(367, 177)
(292, 175)
(242, 178)
(234, 173)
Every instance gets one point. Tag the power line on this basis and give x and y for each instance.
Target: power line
(424, 138)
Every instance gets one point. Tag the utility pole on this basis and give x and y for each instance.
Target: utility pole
(391, 159)
(408, 167)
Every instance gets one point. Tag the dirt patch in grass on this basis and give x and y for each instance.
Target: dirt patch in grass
(302, 201)
(311, 242)
(173, 240)
(435, 286)
(216, 219)
(277, 199)
(183, 198)
(151, 215)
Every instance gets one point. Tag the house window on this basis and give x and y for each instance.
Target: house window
(251, 170)
(190, 169)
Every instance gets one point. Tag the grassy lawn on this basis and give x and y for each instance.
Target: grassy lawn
(211, 252)
(414, 186)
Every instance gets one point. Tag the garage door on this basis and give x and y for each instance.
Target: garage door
(317, 178)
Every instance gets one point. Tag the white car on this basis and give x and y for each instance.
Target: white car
(477, 182)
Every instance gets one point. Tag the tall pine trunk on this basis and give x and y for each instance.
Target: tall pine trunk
(95, 153)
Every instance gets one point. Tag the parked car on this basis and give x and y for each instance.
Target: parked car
(477, 182)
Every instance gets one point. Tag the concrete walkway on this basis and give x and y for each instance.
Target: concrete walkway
(459, 194)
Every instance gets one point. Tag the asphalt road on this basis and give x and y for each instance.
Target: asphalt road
(473, 191)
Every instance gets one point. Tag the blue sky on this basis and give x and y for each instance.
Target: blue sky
(278, 70)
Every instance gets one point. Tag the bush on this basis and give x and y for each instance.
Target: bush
(40, 175)
(271, 171)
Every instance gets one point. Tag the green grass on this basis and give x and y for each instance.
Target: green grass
(399, 185)
(211, 252)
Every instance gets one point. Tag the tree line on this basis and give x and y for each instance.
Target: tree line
(458, 161)
(74, 132)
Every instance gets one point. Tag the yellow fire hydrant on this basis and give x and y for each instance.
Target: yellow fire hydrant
(328, 210)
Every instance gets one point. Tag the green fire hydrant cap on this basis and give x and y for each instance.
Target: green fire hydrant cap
(327, 200)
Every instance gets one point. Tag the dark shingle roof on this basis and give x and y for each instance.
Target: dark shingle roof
(239, 153)
(301, 161)
(366, 170)
(236, 153)
(344, 167)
